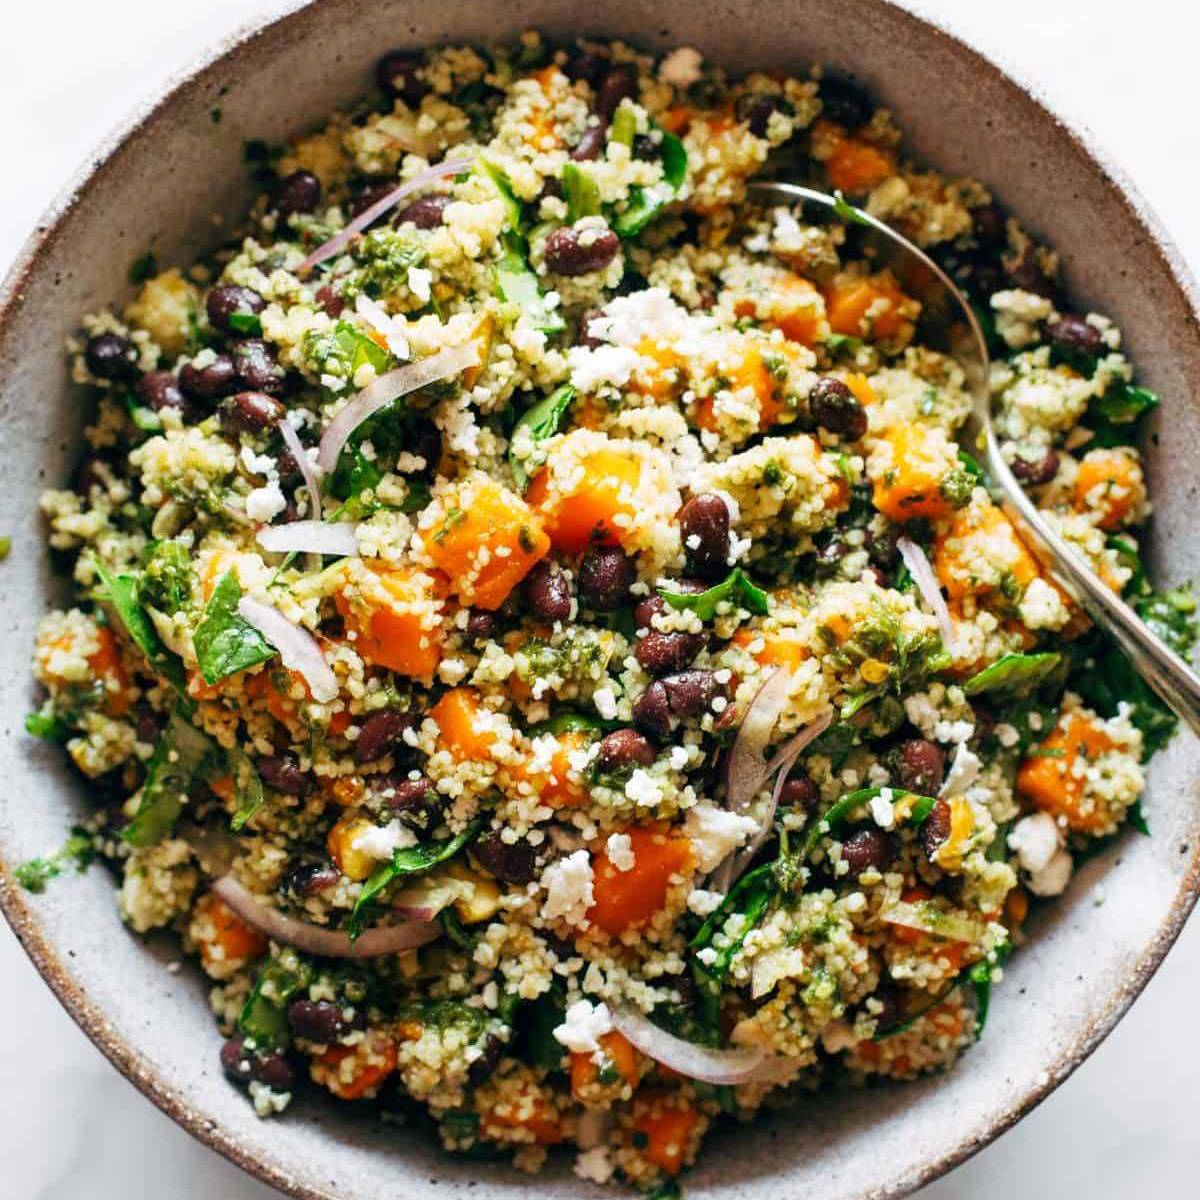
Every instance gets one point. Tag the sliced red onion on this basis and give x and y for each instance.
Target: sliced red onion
(382, 391)
(291, 439)
(593, 1127)
(297, 647)
(927, 584)
(423, 901)
(731, 870)
(746, 769)
(733, 1066)
(385, 204)
(316, 940)
(310, 537)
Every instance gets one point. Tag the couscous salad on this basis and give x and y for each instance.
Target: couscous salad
(538, 640)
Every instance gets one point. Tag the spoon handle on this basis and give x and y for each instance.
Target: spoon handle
(1154, 661)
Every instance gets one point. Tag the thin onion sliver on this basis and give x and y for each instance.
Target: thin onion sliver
(733, 1066)
(297, 647)
(927, 584)
(310, 537)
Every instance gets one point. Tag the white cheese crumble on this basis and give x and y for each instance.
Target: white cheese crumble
(379, 841)
(583, 1025)
(681, 68)
(606, 703)
(642, 789)
(265, 503)
(715, 832)
(593, 1165)
(419, 283)
(619, 849)
(568, 885)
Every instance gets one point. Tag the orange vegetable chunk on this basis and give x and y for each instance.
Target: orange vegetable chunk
(1054, 777)
(588, 510)
(397, 620)
(625, 899)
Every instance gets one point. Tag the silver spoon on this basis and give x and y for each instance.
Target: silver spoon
(948, 323)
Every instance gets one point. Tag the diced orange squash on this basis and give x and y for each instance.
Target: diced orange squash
(1054, 776)
(778, 649)
(669, 1126)
(589, 510)
(850, 298)
(853, 165)
(106, 664)
(1109, 481)
(985, 526)
(396, 620)
(617, 1050)
(487, 546)
(794, 306)
(463, 730)
(482, 335)
(280, 704)
(351, 861)
(531, 1112)
(1016, 908)
(554, 784)
(233, 940)
(372, 1061)
(911, 487)
(861, 388)
(625, 899)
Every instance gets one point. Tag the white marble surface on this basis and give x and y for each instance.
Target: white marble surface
(72, 1129)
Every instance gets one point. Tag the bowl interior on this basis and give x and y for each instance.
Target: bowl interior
(172, 184)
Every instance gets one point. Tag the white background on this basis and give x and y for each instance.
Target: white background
(1124, 1126)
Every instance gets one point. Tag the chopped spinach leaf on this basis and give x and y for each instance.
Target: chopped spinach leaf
(1114, 416)
(646, 203)
(225, 641)
(247, 787)
(517, 284)
(841, 810)
(47, 725)
(264, 1015)
(124, 593)
(1013, 674)
(144, 267)
(245, 323)
(536, 1023)
(183, 752)
(581, 192)
(736, 588)
(542, 422)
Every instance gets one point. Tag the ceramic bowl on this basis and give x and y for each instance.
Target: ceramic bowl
(157, 186)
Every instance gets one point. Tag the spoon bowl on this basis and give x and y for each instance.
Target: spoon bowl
(948, 323)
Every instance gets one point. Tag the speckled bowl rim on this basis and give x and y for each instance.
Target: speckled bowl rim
(91, 1019)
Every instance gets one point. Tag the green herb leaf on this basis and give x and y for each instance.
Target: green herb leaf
(581, 192)
(837, 814)
(535, 1031)
(247, 787)
(513, 208)
(225, 641)
(76, 852)
(570, 721)
(644, 205)
(736, 587)
(183, 752)
(845, 211)
(1137, 818)
(843, 343)
(1013, 674)
(245, 323)
(542, 421)
(454, 930)
(124, 593)
(47, 725)
(624, 126)
(410, 861)
(517, 284)
(264, 1015)
(144, 267)
(1113, 417)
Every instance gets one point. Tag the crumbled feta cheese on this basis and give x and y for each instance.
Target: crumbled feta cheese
(619, 849)
(583, 1025)
(568, 885)
(642, 789)
(592, 368)
(964, 770)
(1034, 840)
(715, 832)
(1053, 878)
(882, 811)
(379, 841)
(682, 67)
(606, 703)
(419, 283)
(265, 503)
(593, 1165)
(702, 902)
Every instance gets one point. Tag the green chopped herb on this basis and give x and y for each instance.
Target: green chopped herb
(47, 725)
(542, 422)
(144, 267)
(736, 588)
(76, 853)
(647, 203)
(581, 192)
(1013, 674)
(182, 754)
(245, 323)
(225, 641)
(124, 593)
(845, 211)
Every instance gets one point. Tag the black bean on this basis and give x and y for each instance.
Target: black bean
(1023, 272)
(586, 65)
(488, 1060)
(646, 148)
(320, 1020)
(1072, 332)
(299, 193)
(426, 213)
(830, 552)
(880, 543)
(311, 879)
(414, 799)
(691, 692)
(704, 526)
(652, 710)
(246, 1065)
(646, 609)
(988, 225)
(920, 766)
(605, 576)
(834, 406)
(219, 378)
(547, 592)
(111, 356)
(590, 145)
(799, 792)
(552, 189)
(251, 412)
(424, 440)
(331, 303)
(482, 626)
(844, 102)
(865, 849)
(936, 827)
(624, 748)
(510, 862)
(667, 653)
(148, 726)
(283, 773)
(257, 368)
(1037, 470)
(160, 390)
(228, 301)
(396, 74)
(619, 83)
(381, 733)
(890, 1012)
(367, 196)
(757, 108)
(574, 251)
